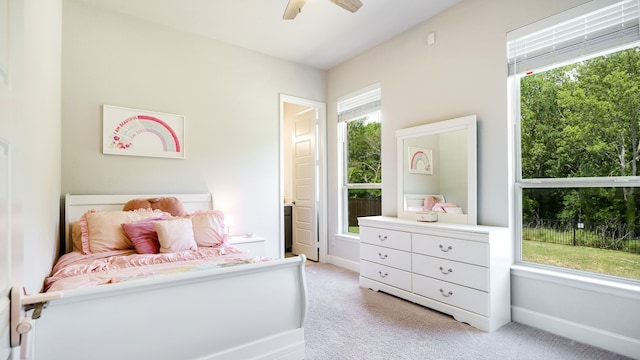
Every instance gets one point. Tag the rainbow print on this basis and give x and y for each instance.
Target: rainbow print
(123, 129)
(126, 131)
(420, 160)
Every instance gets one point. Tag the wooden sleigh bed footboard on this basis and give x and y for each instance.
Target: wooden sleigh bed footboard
(251, 311)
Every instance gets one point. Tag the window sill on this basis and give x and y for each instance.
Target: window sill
(596, 284)
(352, 237)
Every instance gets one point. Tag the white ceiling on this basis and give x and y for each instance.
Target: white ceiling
(322, 36)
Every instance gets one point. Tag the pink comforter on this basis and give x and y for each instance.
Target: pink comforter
(77, 270)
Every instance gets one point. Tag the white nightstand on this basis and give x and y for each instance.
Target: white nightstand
(254, 245)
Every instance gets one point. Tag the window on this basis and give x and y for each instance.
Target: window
(575, 101)
(360, 129)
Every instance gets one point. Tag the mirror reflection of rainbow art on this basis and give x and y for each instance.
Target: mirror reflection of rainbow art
(142, 133)
(420, 160)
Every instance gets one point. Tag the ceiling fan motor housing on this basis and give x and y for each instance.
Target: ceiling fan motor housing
(294, 7)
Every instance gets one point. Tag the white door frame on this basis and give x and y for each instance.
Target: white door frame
(6, 278)
(322, 171)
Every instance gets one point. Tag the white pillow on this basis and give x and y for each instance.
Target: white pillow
(175, 235)
(209, 228)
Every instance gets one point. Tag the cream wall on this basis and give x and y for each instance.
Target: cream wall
(464, 73)
(30, 122)
(230, 97)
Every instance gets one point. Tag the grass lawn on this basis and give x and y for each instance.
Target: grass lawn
(600, 261)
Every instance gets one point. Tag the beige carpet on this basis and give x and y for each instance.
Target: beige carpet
(348, 322)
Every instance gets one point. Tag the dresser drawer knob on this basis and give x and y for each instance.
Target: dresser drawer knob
(382, 238)
(445, 249)
(383, 275)
(446, 272)
(382, 257)
(447, 294)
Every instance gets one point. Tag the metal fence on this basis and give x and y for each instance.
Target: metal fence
(610, 235)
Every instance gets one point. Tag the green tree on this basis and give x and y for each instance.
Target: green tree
(603, 110)
(540, 130)
(365, 166)
(583, 120)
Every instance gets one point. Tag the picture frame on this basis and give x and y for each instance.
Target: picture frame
(146, 133)
(420, 160)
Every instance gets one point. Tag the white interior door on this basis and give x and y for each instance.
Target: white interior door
(5, 251)
(9, 40)
(305, 184)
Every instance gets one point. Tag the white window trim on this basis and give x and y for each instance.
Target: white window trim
(600, 284)
(375, 90)
(566, 276)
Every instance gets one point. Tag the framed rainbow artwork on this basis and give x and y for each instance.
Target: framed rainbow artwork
(420, 160)
(142, 133)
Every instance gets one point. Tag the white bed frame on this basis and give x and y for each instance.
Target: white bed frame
(253, 311)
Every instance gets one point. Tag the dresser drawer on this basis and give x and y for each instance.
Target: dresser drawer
(386, 274)
(468, 275)
(386, 256)
(388, 238)
(452, 294)
(471, 252)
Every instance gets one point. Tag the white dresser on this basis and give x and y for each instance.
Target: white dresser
(461, 270)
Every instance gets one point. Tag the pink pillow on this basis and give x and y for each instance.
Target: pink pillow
(76, 236)
(209, 228)
(429, 202)
(453, 210)
(102, 230)
(440, 207)
(175, 235)
(143, 235)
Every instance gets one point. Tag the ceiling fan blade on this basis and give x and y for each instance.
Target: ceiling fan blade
(294, 7)
(351, 5)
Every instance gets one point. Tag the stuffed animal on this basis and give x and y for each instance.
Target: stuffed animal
(170, 205)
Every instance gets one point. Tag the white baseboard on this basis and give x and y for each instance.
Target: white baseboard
(343, 263)
(579, 332)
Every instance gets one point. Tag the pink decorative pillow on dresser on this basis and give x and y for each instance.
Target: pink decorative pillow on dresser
(441, 207)
(453, 210)
(429, 202)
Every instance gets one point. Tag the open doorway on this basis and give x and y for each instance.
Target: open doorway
(303, 177)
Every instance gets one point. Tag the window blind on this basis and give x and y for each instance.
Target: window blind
(358, 105)
(598, 32)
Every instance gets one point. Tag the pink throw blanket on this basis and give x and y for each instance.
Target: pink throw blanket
(77, 270)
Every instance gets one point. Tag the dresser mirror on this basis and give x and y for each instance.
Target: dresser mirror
(437, 170)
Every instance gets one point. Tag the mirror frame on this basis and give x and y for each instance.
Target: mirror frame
(468, 123)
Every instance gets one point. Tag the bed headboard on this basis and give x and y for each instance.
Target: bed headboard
(76, 205)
